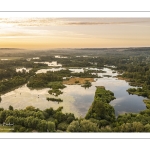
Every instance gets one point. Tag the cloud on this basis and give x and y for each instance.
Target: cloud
(31, 21)
(15, 34)
(29, 33)
(102, 23)
(69, 22)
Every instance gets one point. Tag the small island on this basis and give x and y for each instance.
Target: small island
(77, 80)
(54, 99)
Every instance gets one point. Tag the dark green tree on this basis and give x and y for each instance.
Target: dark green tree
(11, 107)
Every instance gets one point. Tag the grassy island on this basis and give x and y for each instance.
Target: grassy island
(138, 91)
(78, 80)
(86, 84)
(54, 99)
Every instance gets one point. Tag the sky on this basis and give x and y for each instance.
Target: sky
(47, 33)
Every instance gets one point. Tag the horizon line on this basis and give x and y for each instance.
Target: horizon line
(13, 48)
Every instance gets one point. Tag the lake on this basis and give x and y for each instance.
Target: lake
(77, 99)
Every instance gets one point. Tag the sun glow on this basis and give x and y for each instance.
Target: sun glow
(44, 33)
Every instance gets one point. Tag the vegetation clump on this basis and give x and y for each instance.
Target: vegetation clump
(54, 99)
(107, 76)
(56, 85)
(55, 92)
(42, 80)
(100, 108)
(86, 84)
(139, 92)
(147, 102)
(35, 120)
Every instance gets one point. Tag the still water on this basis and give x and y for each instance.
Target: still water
(77, 99)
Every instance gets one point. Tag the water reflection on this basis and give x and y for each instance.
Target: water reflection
(123, 102)
(77, 70)
(77, 99)
(23, 69)
(51, 69)
(23, 97)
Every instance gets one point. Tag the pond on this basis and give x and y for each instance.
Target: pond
(77, 99)
(58, 69)
(122, 104)
(51, 64)
(22, 97)
(77, 70)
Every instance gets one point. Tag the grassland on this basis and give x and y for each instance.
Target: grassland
(6, 128)
(73, 81)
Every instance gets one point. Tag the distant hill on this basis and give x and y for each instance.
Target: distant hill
(117, 49)
(81, 49)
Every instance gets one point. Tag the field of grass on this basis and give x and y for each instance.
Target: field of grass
(72, 81)
(6, 128)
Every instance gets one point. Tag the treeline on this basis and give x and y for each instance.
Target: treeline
(50, 79)
(42, 80)
(13, 64)
(138, 75)
(10, 84)
(31, 119)
(13, 79)
(10, 73)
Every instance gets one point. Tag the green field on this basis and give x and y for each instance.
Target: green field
(6, 128)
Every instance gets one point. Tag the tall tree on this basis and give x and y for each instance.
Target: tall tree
(11, 107)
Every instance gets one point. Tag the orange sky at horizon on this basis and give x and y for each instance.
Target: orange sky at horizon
(46, 33)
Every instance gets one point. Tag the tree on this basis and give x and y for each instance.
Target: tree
(11, 107)
(82, 126)
(88, 126)
(62, 126)
(1, 109)
(59, 116)
(50, 126)
(106, 129)
(2, 116)
(40, 115)
(30, 108)
(101, 110)
(42, 126)
(50, 111)
(74, 127)
(147, 128)
(0, 99)
(10, 119)
(132, 127)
